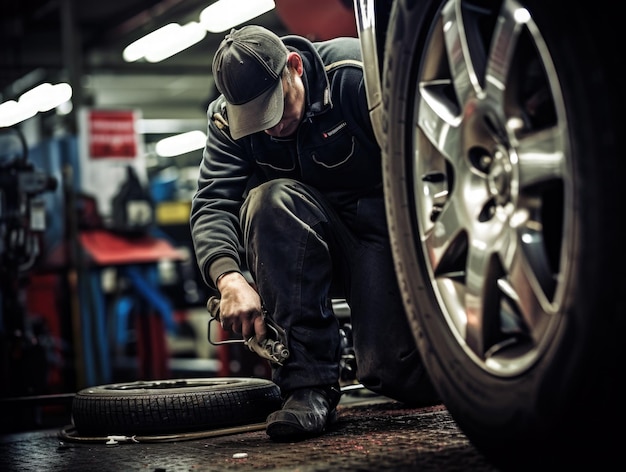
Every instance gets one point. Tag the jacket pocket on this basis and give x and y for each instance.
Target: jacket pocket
(276, 160)
(336, 147)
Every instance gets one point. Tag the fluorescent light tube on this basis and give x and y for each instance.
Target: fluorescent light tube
(165, 42)
(181, 144)
(225, 14)
(185, 37)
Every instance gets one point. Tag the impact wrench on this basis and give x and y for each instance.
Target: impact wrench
(270, 348)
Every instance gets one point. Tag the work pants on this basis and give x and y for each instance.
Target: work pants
(300, 251)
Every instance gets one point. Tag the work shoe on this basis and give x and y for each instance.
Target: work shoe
(306, 412)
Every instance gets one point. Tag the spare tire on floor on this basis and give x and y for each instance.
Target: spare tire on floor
(173, 406)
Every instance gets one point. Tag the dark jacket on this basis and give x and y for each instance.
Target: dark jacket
(334, 151)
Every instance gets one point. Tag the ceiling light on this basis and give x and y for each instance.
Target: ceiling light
(46, 96)
(186, 36)
(164, 42)
(138, 49)
(225, 14)
(12, 112)
(42, 98)
(32, 97)
(181, 144)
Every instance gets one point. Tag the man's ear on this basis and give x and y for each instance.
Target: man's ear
(295, 62)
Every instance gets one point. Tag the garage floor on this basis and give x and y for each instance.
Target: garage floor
(372, 434)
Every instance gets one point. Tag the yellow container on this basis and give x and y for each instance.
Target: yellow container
(173, 212)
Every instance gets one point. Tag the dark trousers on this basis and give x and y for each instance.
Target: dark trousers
(301, 250)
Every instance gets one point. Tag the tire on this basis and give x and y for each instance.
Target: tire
(173, 406)
(503, 195)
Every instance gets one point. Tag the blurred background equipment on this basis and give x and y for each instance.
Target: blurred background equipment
(23, 346)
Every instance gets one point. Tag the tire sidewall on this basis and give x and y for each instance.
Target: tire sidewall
(173, 406)
(168, 387)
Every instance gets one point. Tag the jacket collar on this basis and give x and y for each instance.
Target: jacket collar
(314, 78)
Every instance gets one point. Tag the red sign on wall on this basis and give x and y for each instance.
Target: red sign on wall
(112, 133)
(110, 142)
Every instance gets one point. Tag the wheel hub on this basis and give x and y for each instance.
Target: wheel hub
(499, 178)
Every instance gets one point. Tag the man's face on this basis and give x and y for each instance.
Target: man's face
(293, 90)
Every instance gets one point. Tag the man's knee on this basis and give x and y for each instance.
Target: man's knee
(267, 197)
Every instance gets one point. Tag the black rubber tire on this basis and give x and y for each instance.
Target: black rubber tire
(173, 406)
(564, 408)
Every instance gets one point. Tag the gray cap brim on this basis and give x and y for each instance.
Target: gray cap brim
(261, 113)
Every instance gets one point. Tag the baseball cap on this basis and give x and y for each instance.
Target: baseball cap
(247, 68)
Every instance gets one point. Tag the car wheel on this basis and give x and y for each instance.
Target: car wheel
(173, 406)
(503, 166)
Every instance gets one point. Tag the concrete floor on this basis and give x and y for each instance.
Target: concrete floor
(372, 434)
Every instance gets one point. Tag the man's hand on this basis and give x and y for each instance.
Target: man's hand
(240, 307)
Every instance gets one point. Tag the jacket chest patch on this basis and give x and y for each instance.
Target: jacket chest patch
(331, 132)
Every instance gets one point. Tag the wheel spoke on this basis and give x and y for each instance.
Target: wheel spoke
(505, 38)
(443, 241)
(540, 158)
(438, 118)
(458, 40)
(528, 276)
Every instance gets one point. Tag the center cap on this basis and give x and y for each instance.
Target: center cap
(499, 177)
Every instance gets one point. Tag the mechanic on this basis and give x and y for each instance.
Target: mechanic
(289, 210)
